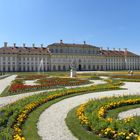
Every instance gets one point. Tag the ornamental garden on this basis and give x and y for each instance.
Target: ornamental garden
(96, 118)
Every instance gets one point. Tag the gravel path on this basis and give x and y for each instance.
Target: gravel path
(31, 82)
(51, 124)
(10, 99)
(129, 113)
(6, 82)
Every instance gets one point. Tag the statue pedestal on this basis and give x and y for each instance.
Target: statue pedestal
(72, 73)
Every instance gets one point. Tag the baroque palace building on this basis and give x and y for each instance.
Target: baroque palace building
(60, 57)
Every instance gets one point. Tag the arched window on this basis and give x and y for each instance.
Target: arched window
(3, 68)
(9, 68)
(56, 50)
(64, 68)
(13, 68)
(59, 67)
(28, 68)
(89, 67)
(54, 67)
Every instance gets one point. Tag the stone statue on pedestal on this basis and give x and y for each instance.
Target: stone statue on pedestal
(73, 69)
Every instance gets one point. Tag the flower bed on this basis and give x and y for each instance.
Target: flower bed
(127, 78)
(93, 115)
(13, 119)
(45, 84)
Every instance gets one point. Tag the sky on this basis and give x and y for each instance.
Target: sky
(103, 23)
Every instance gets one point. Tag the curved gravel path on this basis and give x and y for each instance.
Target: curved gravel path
(51, 124)
(129, 113)
(10, 99)
(6, 82)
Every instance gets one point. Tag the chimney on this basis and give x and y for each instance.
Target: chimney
(125, 51)
(107, 48)
(14, 44)
(5, 44)
(24, 45)
(101, 48)
(119, 49)
(41, 45)
(113, 49)
(33, 44)
(61, 41)
(84, 42)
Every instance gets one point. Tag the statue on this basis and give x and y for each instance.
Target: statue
(73, 69)
(130, 73)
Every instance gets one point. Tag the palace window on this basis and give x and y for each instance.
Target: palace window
(64, 67)
(59, 67)
(56, 50)
(54, 67)
(61, 50)
(89, 67)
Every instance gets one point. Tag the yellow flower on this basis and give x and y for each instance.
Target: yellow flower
(127, 137)
(138, 138)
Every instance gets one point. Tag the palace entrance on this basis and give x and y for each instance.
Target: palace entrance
(79, 67)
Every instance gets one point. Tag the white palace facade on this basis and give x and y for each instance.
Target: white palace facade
(60, 56)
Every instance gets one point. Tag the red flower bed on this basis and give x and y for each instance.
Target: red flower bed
(46, 84)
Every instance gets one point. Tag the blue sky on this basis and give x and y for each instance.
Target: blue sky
(104, 23)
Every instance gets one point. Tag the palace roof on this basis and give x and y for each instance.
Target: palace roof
(24, 50)
(71, 45)
(112, 53)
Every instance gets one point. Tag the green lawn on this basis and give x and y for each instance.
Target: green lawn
(77, 129)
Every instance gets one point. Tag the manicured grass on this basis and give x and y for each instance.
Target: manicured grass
(32, 120)
(4, 76)
(90, 76)
(101, 116)
(5, 92)
(34, 116)
(130, 80)
(44, 82)
(57, 73)
(114, 113)
(82, 133)
(77, 129)
(14, 109)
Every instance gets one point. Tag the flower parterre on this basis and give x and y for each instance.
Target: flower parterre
(21, 118)
(46, 84)
(113, 105)
(80, 114)
(24, 114)
(108, 130)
